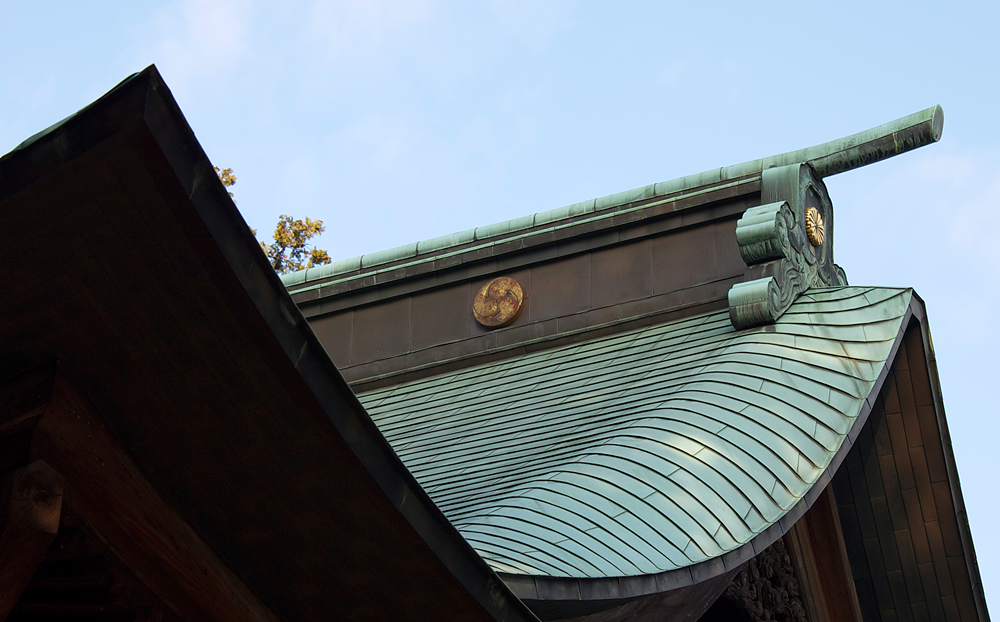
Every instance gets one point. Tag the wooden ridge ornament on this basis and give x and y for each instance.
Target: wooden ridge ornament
(498, 302)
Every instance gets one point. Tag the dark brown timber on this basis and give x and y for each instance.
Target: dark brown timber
(30, 503)
(230, 441)
(816, 545)
(111, 493)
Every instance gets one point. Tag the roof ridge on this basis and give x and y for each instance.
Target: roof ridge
(829, 158)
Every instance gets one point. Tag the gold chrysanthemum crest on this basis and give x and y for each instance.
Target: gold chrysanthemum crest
(815, 230)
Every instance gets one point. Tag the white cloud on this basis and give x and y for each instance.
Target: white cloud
(201, 41)
(943, 199)
(362, 31)
(376, 144)
(929, 220)
(673, 72)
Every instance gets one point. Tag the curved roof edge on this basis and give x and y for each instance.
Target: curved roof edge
(309, 358)
(142, 105)
(545, 588)
(836, 156)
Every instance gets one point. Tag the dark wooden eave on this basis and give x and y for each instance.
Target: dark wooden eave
(127, 263)
(900, 499)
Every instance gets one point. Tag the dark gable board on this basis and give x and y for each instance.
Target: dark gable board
(156, 301)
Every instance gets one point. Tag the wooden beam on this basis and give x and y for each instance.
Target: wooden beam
(30, 506)
(816, 545)
(110, 492)
(45, 419)
(22, 401)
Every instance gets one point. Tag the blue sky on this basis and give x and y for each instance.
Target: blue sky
(395, 121)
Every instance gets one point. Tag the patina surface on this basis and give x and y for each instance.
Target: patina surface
(787, 244)
(843, 154)
(645, 451)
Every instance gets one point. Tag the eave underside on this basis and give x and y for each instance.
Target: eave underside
(900, 502)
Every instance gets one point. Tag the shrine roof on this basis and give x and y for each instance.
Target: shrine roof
(666, 455)
(652, 452)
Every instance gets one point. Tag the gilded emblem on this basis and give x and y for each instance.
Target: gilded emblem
(498, 302)
(815, 230)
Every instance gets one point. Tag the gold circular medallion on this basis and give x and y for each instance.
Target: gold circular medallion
(815, 230)
(498, 302)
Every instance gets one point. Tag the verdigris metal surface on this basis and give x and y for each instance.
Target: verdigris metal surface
(830, 158)
(646, 451)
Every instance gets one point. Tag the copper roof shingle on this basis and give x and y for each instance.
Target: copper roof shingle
(647, 451)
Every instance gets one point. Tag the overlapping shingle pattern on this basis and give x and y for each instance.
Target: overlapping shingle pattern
(645, 451)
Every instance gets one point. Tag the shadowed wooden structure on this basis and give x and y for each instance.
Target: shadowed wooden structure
(207, 446)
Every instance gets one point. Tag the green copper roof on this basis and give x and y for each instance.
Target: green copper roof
(836, 156)
(646, 451)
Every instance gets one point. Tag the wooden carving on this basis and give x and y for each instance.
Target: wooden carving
(766, 589)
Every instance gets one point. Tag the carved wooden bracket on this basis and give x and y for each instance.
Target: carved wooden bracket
(767, 590)
(30, 505)
(787, 244)
(43, 416)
